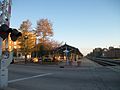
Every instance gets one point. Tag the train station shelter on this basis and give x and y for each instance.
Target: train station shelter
(67, 52)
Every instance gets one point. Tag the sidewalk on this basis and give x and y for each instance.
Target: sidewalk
(84, 63)
(88, 63)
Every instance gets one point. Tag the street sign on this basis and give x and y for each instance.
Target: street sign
(6, 59)
(66, 51)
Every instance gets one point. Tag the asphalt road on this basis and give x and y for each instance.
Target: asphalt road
(37, 77)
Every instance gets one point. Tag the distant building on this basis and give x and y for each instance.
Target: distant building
(28, 44)
(97, 52)
(112, 53)
(11, 45)
(15, 45)
(104, 53)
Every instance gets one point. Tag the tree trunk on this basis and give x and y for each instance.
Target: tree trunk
(25, 58)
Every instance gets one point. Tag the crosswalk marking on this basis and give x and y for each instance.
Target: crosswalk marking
(21, 79)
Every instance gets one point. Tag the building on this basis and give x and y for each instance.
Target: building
(10, 45)
(16, 45)
(25, 44)
(67, 52)
(97, 52)
(112, 53)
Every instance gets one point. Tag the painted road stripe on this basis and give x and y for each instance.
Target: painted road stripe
(21, 79)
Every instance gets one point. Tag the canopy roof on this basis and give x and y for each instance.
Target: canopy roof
(67, 48)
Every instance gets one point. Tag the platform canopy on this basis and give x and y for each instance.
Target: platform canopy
(67, 49)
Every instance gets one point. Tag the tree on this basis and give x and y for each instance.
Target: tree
(28, 39)
(27, 42)
(52, 44)
(25, 26)
(48, 47)
(44, 29)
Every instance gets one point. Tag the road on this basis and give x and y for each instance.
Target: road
(51, 77)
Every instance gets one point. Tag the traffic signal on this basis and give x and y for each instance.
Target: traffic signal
(15, 34)
(4, 31)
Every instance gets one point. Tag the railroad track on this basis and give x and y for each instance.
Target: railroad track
(114, 68)
(106, 62)
(113, 65)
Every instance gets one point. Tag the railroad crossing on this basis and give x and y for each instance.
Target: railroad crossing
(89, 76)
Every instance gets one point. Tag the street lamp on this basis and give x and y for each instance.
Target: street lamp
(25, 48)
(66, 53)
(37, 38)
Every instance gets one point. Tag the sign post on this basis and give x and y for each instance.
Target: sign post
(3, 70)
(66, 53)
(4, 63)
(5, 59)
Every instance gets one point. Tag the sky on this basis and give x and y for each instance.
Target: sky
(84, 24)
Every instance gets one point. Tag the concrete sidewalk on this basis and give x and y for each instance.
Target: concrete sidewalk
(88, 63)
(84, 63)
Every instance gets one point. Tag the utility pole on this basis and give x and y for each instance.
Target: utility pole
(5, 11)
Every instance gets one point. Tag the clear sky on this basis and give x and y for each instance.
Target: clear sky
(85, 24)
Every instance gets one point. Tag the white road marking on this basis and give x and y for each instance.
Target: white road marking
(21, 79)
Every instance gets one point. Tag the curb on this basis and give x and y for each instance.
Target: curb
(9, 88)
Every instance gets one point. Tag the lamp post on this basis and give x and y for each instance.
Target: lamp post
(36, 46)
(25, 48)
(66, 53)
(36, 42)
